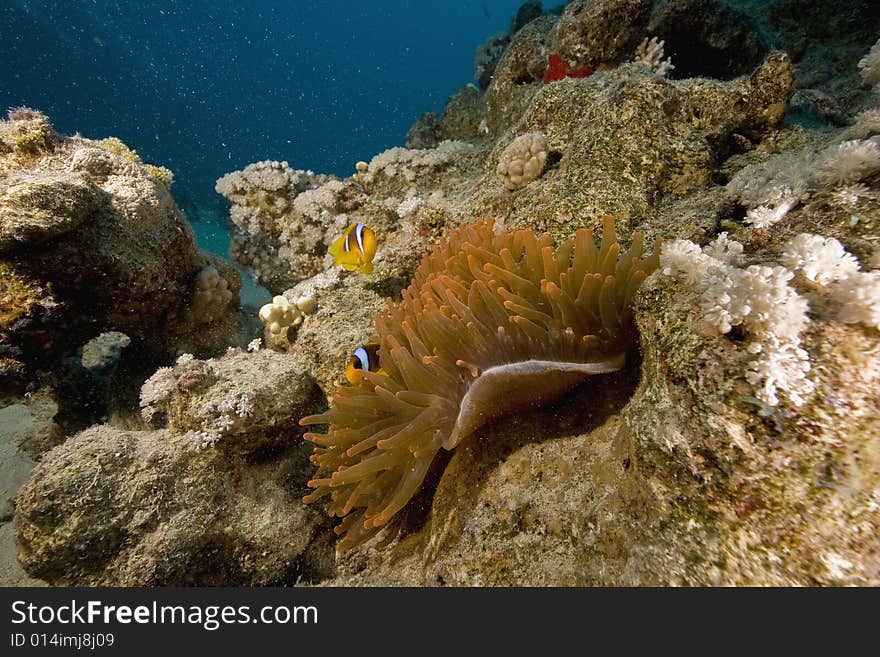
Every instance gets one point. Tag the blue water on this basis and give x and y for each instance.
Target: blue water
(207, 87)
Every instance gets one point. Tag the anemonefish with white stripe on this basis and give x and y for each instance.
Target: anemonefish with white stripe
(355, 249)
(364, 358)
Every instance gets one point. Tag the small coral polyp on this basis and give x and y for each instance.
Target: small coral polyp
(493, 322)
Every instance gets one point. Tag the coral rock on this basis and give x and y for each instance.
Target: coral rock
(37, 206)
(138, 508)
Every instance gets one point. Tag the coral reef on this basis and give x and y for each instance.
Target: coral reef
(275, 243)
(624, 138)
(684, 482)
(732, 440)
(594, 32)
(284, 221)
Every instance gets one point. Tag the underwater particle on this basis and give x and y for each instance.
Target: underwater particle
(355, 249)
(493, 322)
(523, 160)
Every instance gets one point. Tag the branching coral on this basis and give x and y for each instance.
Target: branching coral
(493, 322)
(650, 53)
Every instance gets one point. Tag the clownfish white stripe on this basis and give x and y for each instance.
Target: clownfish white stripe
(359, 236)
(363, 358)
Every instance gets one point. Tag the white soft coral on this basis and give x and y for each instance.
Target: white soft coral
(848, 162)
(761, 300)
(859, 297)
(824, 260)
(869, 65)
(820, 259)
(781, 366)
(685, 260)
(725, 249)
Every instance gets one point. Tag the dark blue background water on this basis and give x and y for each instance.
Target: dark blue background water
(205, 87)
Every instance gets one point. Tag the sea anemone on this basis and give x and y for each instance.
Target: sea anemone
(493, 322)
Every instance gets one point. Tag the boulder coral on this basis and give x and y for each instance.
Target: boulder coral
(523, 160)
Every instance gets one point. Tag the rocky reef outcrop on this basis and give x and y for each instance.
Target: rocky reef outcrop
(91, 240)
(211, 497)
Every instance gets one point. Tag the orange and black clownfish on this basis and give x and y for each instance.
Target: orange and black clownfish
(364, 358)
(355, 249)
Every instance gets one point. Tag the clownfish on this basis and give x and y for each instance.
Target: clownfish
(355, 249)
(364, 358)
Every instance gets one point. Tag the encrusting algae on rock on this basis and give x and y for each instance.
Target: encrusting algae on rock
(493, 322)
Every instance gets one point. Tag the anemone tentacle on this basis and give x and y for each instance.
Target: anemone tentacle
(488, 311)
